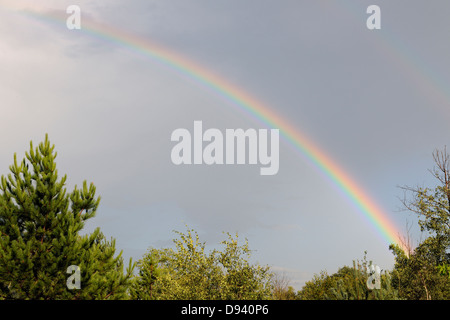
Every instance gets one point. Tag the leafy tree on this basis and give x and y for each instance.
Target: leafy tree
(39, 235)
(422, 273)
(432, 207)
(348, 283)
(416, 276)
(352, 284)
(288, 294)
(316, 288)
(189, 272)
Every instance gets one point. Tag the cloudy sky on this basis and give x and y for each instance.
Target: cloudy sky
(375, 101)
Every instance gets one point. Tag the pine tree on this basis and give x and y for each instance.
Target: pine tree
(39, 236)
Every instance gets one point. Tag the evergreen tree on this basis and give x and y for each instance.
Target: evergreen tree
(39, 236)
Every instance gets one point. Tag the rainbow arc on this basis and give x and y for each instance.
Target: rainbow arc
(254, 108)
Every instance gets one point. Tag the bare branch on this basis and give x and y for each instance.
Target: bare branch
(280, 285)
(405, 241)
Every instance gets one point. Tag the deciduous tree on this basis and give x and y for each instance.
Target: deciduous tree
(422, 272)
(189, 272)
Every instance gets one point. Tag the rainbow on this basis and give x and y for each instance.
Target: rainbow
(377, 218)
(426, 79)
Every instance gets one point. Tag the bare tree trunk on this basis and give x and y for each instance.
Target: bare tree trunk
(425, 287)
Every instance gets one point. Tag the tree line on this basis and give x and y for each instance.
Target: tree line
(40, 240)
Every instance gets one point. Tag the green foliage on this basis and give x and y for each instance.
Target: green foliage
(316, 288)
(39, 235)
(423, 272)
(444, 269)
(351, 284)
(40, 224)
(417, 276)
(287, 294)
(189, 272)
(348, 283)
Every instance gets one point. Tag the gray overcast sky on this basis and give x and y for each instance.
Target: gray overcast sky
(376, 101)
